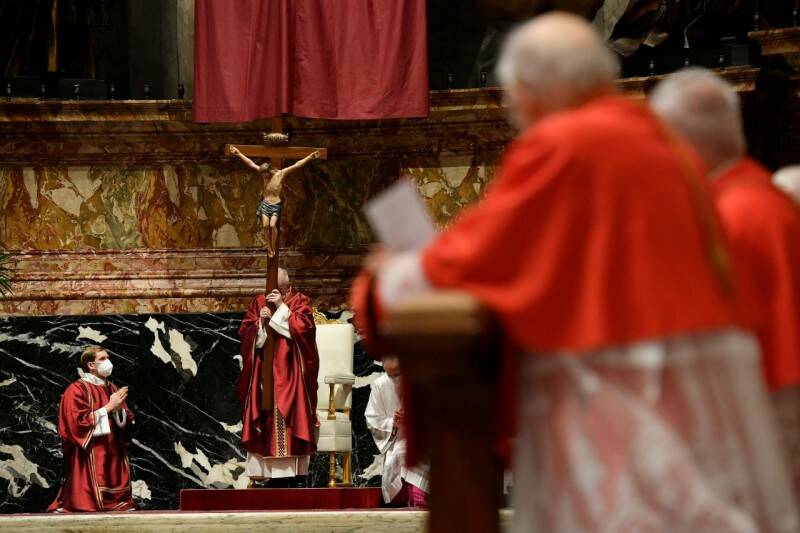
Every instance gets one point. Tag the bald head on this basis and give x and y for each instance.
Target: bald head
(283, 280)
(788, 180)
(554, 62)
(704, 109)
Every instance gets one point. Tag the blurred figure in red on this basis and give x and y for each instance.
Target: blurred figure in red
(762, 223)
(599, 249)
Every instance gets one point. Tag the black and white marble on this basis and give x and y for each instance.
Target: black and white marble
(181, 370)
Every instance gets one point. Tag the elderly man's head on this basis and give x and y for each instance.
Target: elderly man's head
(284, 283)
(551, 63)
(704, 109)
(788, 180)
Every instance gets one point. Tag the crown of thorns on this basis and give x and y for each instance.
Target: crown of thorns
(275, 138)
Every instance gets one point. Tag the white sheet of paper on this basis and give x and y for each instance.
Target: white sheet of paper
(400, 219)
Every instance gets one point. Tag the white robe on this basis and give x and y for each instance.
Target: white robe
(383, 404)
(672, 434)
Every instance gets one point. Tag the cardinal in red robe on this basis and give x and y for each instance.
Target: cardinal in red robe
(762, 223)
(94, 423)
(280, 439)
(599, 249)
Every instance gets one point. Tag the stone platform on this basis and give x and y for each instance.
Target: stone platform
(400, 521)
(384, 520)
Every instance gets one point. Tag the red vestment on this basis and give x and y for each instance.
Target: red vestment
(763, 226)
(98, 474)
(294, 370)
(598, 231)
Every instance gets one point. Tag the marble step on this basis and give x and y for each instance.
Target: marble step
(394, 521)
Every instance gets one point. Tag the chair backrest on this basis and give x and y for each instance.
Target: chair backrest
(335, 344)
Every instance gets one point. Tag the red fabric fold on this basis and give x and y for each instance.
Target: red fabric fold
(335, 59)
(294, 370)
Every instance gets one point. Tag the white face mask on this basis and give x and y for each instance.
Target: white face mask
(104, 368)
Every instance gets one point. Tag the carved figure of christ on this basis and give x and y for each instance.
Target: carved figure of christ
(269, 209)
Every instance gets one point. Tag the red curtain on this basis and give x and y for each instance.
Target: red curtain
(337, 59)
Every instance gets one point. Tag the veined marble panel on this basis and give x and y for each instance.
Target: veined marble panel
(193, 205)
(185, 238)
(182, 371)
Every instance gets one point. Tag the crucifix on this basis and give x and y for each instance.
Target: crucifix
(269, 213)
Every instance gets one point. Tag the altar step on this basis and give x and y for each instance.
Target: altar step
(383, 520)
(280, 499)
(390, 521)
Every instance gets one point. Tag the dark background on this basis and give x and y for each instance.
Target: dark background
(130, 43)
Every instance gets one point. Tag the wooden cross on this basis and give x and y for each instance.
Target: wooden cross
(276, 154)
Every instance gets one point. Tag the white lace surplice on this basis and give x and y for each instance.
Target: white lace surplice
(383, 404)
(672, 436)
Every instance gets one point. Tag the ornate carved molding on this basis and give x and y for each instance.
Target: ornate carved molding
(148, 133)
(190, 280)
(780, 42)
(95, 133)
(744, 79)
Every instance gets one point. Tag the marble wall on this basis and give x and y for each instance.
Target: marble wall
(140, 210)
(131, 229)
(181, 370)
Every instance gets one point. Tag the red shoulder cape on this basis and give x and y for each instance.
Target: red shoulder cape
(763, 225)
(599, 230)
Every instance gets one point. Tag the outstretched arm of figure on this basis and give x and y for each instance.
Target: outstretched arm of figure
(249, 162)
(281, 174)
(306, 159)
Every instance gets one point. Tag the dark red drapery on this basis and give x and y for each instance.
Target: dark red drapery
(338, 59)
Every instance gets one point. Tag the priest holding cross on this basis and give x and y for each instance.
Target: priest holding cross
(278, 385)
(275, 69)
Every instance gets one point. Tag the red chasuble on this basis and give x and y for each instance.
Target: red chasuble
(290, 428)
(98, 474)
(598, 231)
(763, 225)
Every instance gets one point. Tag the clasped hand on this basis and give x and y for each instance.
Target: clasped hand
(117, 400)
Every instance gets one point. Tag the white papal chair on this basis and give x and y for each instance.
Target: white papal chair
(335, 395)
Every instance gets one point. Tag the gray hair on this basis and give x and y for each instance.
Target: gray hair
(559, 57)
(705, 109)
(283, 278)
(788, 180)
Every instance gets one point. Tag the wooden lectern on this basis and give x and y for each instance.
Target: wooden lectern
(448, 345)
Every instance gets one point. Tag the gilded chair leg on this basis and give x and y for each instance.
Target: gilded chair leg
(347, 465)
(332, 471)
